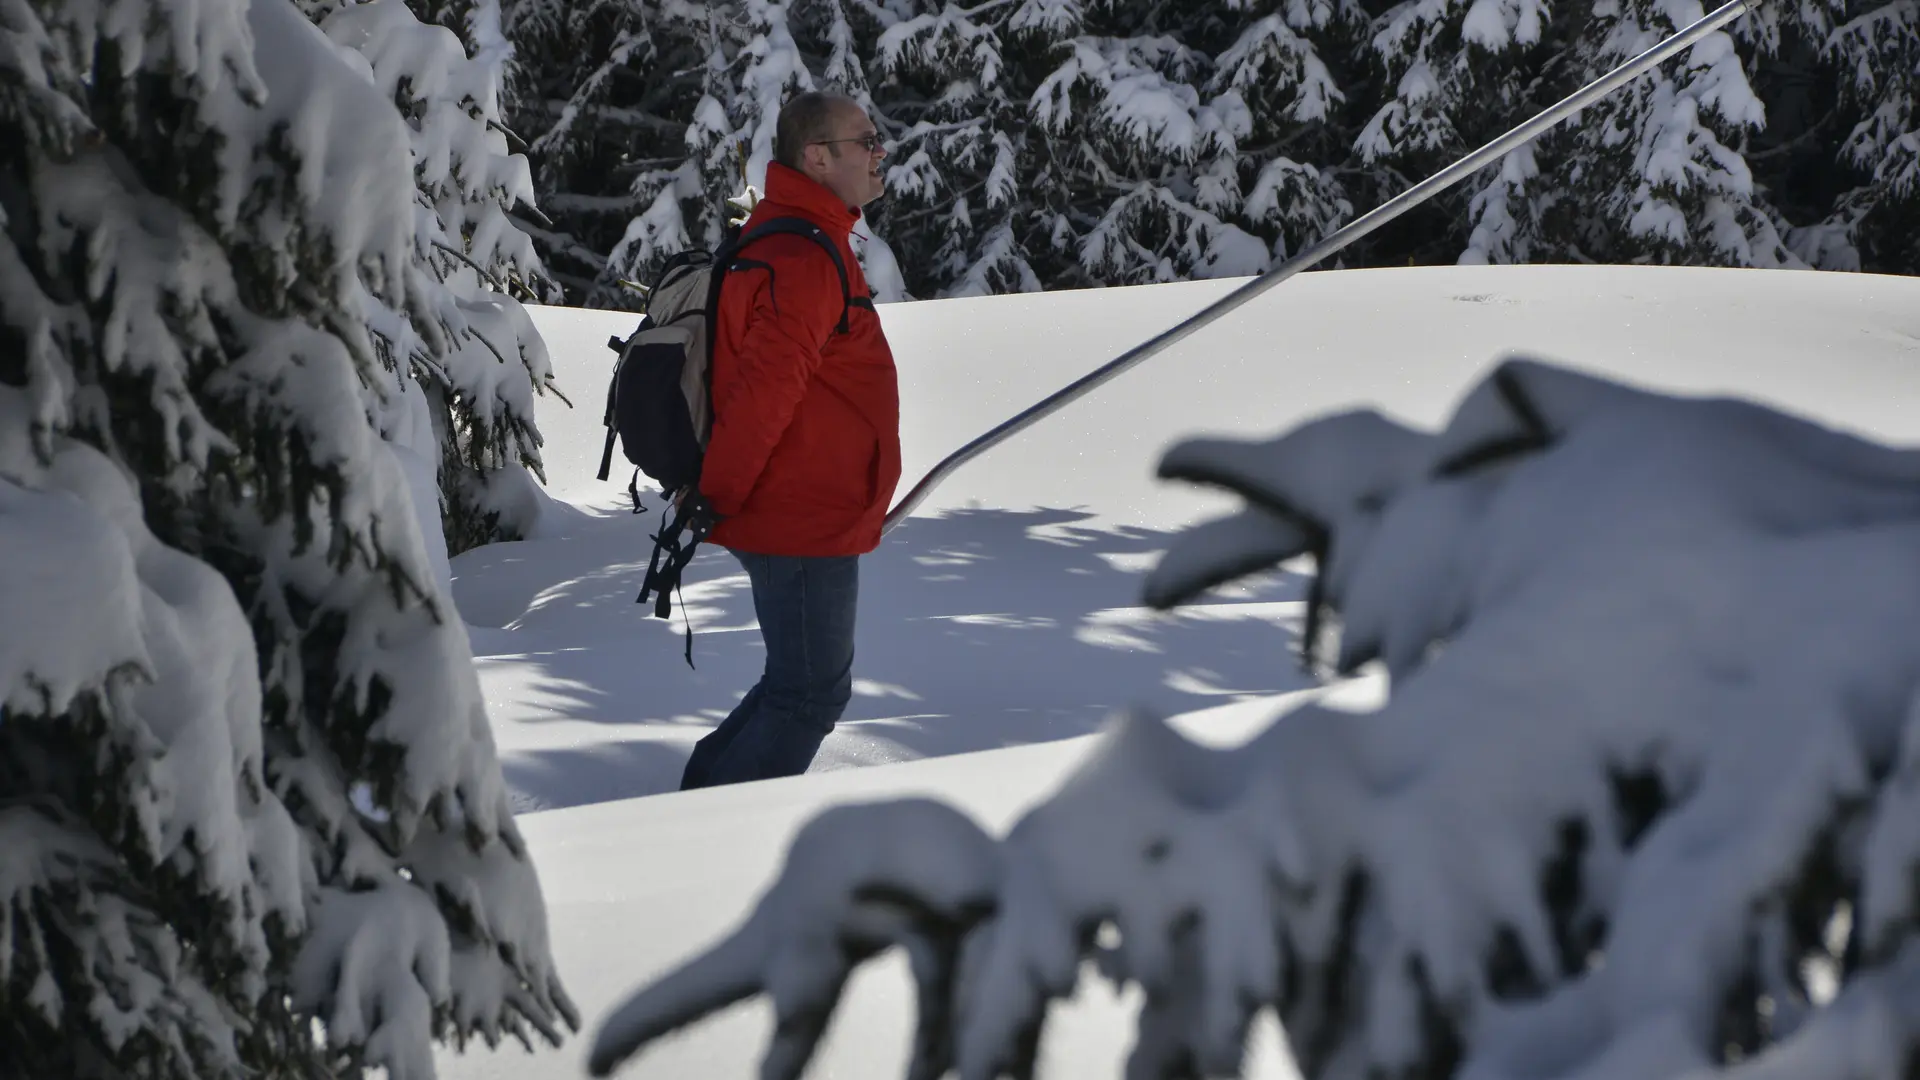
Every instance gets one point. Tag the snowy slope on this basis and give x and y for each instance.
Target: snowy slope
(1004, 613)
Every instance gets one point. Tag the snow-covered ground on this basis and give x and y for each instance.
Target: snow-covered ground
(1000, 625)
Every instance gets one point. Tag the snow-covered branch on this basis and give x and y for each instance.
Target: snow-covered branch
(1641, 803)
(458, 410)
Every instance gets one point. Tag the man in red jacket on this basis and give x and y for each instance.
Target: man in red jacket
(805, 448)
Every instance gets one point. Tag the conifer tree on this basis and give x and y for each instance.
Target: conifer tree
(749, 65)
(1654, 172)
(603, 91)
(467, 361)
(1874, 50)
(1285, 66)
(252, 815)
(953, 202)
(1063, 143)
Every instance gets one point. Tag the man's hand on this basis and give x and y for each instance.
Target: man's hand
(693, 508)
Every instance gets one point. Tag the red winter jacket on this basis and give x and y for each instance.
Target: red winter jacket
(805, 448)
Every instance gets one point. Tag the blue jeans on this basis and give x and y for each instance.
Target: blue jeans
(806, 609)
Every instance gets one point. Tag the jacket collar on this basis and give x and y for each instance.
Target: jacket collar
(791, 187)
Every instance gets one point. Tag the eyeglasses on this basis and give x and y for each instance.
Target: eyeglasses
(872, 143)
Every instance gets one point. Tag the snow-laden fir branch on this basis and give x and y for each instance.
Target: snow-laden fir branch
(1643, 799)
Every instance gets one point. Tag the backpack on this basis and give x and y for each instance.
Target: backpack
(660, 398)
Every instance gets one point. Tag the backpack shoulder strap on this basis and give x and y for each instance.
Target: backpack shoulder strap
(619, 347)
(798, 226)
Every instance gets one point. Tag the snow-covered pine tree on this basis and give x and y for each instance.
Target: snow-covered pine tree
(253, 819)
(476, 22)
(482, 31)
(1655, 172)
(750, 64)
(1016, 128)
(954, 208)
(1874, 49)
(602, 91)
(1031, 146)
(1057, 143)
(740, 61)
(1457, 74)
(1281, 174)
(1129, 149)
(466, 361)
(1774, 140)
(676, 194)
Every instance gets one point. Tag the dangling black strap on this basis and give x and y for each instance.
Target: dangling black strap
(606, 455)
(664, 576)
(687, 620)
(619, 348)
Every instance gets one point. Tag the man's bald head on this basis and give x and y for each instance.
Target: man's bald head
(808, 118)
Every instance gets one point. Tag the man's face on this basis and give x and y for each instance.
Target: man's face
(843, 164)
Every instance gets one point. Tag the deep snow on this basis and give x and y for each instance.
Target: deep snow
(1006, 613)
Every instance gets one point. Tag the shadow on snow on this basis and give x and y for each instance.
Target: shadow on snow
(978, 629)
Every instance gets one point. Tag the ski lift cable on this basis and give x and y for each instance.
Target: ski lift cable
(1346, 235)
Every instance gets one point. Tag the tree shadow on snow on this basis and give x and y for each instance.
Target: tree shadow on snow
(978, 629)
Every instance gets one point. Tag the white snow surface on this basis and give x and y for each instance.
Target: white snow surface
(1003, 624)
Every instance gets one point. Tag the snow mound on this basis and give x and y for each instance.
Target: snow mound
(1642, 801)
